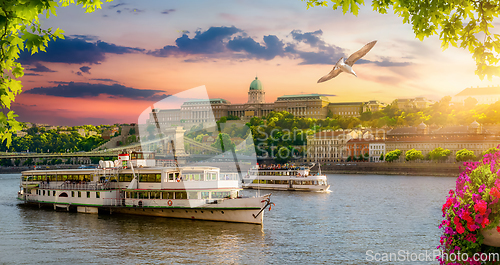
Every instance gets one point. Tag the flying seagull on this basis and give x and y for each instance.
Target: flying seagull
(346, 66)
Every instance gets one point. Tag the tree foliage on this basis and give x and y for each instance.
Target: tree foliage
(20, 30)
(457, 23)
(439, 154)
(413, 154)
(465, 155)
(224, 143)
(393, 155)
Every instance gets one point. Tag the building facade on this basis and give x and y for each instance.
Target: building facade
(314, 106)
(454, 138)
(376, 149)
(328, 146)
(413, 103)
(483, 95)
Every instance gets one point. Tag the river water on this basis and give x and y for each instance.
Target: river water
(381, 214)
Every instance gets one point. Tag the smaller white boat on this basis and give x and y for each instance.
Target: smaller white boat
(293, 178)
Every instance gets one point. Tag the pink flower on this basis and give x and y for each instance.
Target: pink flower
(480, 207)
(495, 192)
(471, 237)
(485, 222)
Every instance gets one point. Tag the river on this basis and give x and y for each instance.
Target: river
(362, 214)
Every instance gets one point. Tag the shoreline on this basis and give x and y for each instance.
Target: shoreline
(408, 169)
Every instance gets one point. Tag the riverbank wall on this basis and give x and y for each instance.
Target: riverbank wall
(411, 169)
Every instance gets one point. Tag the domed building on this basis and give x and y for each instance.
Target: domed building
(256, 105)
(256, 94)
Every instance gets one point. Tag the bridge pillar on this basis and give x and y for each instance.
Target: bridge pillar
(177, 135)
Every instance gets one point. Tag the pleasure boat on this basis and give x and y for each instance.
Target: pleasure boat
(131, 185)
(293, 178)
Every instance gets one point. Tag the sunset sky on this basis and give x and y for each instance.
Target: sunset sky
(121, 59)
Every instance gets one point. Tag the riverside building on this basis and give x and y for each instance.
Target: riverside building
(313, 105)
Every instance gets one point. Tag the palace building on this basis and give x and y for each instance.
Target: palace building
(314, 106)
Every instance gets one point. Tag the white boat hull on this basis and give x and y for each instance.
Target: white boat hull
(240, 210)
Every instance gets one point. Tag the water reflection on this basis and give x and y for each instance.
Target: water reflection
(141, 238)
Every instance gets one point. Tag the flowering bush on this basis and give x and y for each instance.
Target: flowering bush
(473, 206)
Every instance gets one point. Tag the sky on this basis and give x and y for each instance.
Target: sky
(118, 61)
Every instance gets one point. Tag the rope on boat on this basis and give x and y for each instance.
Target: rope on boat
(268, 203)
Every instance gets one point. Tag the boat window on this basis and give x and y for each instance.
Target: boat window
(72, 194)
(196, 177)
(143, 195)
(192, 195)
(79, 194)
(43, 193)
(151, 178)
(255, 181)
(270, 182)
(125, 177)
(205, 195)
(220, 194)
(98, 194)
(181, 195)
(167, 195)
(285, 182)
(53, 193)
(154, 195)
(133, 195)
(158, 177)
(88, 194)
(170, 176)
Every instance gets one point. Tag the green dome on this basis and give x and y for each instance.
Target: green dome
(256, 84)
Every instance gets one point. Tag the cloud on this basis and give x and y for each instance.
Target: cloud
(87, 90)
(136, 11)
(32, 74)
(207, 42)
(167, 11)
(234, 43)
(117, 5)
(319, 51)
(105, 80)
(386, 63)
(273, 47)
(311, 38)
(40, 68)
(59, 82)
(84, 37)
(85, 69)
(75, 51)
